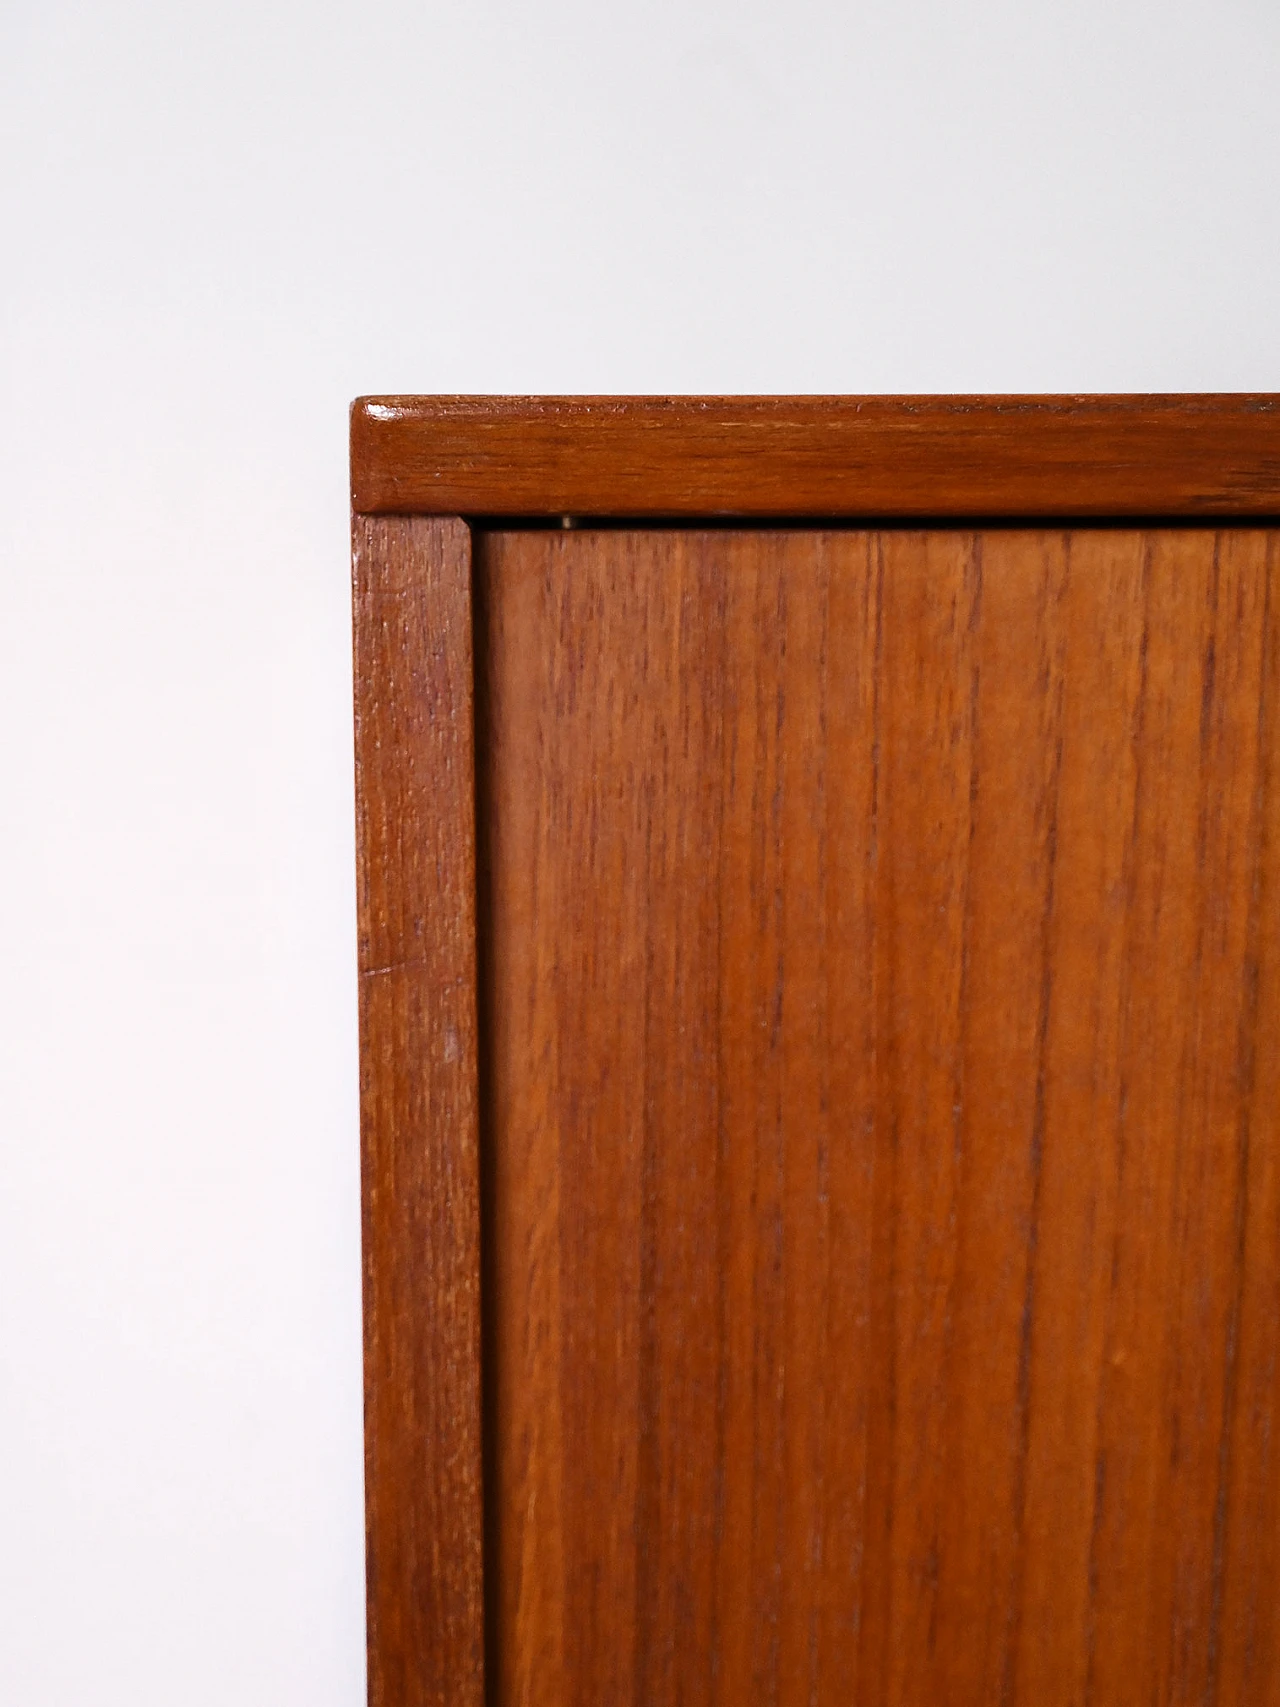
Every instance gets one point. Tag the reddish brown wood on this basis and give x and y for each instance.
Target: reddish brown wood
(416, 832)
(882, 1100)
(818, 456)
(883, 983)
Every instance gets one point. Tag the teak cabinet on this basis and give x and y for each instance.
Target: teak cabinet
(820, 1029)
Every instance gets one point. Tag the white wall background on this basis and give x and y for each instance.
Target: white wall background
(219, 222)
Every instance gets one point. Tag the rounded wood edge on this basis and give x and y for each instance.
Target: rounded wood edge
(1193, 455)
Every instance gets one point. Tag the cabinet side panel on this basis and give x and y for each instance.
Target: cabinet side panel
(418, 1099)
(881, 1159)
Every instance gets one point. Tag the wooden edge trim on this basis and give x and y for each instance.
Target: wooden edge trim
(1200, 455)
(415, 807)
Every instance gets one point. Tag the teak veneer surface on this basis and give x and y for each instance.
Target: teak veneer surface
(418, 1111)
(940, 457)
(820, 1073)
(881, 1116)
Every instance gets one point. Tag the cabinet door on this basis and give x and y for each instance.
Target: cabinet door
(879, 1094)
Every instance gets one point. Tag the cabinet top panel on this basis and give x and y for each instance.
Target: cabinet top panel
(1191, 455)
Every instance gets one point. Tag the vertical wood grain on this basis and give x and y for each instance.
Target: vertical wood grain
(884, 992)
(1101, 620)
(1244, 1658)
(416, 834)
